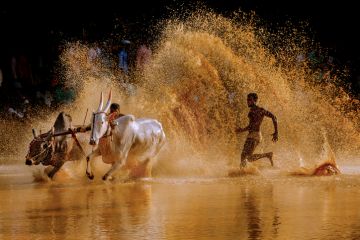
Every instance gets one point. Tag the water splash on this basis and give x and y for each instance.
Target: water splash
(196, 84)
(205, 66)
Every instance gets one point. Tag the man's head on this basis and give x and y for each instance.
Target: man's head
(114, 107)
(252, 99)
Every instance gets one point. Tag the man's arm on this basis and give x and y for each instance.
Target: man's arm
(274, 120)
(239, 130)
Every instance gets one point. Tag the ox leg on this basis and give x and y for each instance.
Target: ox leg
(113, 168)
(56, 168)
(89, 172)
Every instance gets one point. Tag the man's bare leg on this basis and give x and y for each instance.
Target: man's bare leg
(243, 160)
(255, 157)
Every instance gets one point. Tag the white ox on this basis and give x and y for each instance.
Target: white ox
(131, 143)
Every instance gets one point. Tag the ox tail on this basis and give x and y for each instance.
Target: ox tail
(162, 136)
(146, 162)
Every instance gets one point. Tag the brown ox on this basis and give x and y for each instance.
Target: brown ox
(54, 148)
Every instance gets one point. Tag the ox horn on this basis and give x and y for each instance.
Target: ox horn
(51, 133)
(107, 106)
(34, 133)
(101, 102)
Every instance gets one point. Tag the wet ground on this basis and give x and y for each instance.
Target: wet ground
(272, 205)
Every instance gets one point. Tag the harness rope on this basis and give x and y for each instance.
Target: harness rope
(34, 158)
(108, 132)
(49, 148)
(46, 150)
(73, 135)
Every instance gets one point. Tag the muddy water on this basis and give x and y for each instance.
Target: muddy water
(196, 85)
(272, 205)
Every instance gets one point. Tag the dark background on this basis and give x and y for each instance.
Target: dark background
(38, 28)
(335, 23)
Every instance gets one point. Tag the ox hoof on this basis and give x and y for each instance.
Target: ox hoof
(107, 177)
(51, 173)
(90, 176)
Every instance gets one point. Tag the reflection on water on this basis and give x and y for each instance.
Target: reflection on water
(251, 207)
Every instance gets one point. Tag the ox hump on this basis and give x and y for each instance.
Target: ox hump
(131, 118)
(126, 118)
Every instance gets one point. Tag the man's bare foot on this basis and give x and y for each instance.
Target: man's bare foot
(270, 156)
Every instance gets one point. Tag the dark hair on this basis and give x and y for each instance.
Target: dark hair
(253, 96)
(114, 107)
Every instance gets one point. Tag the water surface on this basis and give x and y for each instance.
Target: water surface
(272, 205)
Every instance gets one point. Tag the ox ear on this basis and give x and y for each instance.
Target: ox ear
(101, 103)
(107, 106)
(34, 133)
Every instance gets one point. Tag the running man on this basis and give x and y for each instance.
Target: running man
(256, 116)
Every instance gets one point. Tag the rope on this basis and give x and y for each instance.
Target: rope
(34, 158)
(77, 141)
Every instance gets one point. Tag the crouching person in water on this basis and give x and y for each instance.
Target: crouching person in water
(256, 116)
(114, 114)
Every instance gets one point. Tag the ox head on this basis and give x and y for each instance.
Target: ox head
(40, 149)
(99, 123)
